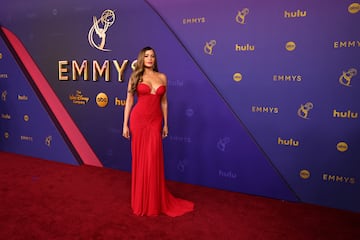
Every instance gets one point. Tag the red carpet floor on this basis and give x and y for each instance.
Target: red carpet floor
(40, 199)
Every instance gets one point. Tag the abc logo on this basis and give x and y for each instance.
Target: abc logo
(354, 8)
(342, 147)
(102, 100)
(304, 174)
(290, 46)
(237, 77)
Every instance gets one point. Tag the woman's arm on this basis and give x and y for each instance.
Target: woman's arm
(128, 105)
(164, 108)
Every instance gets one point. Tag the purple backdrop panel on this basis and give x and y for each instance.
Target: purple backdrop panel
(263, 96)
(281, 69)
(26, 127)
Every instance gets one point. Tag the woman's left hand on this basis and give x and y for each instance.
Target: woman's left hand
(165, 132)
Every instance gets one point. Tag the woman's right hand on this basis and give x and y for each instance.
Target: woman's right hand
(126, 132)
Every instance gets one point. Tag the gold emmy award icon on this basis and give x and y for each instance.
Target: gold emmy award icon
(100, 27)
(304, 109)
(208, 48)
(48, 140)
(240, 17)
(3, 95)
(345, 78)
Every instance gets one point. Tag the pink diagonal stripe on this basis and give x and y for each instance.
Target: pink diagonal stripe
(76, 138)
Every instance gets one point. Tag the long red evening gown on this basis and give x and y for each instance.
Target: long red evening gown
(149, 195)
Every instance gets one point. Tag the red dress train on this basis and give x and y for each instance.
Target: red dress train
(149, 195)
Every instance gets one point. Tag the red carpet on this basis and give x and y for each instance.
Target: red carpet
(40, 199)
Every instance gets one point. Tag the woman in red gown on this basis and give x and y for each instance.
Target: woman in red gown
(148, 125)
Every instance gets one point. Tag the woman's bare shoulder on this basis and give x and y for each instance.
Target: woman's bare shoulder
(162, 77)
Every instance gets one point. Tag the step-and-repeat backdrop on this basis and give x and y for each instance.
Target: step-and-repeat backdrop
(263, 95)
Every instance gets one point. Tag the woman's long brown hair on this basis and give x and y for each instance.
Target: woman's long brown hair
(137, 74)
